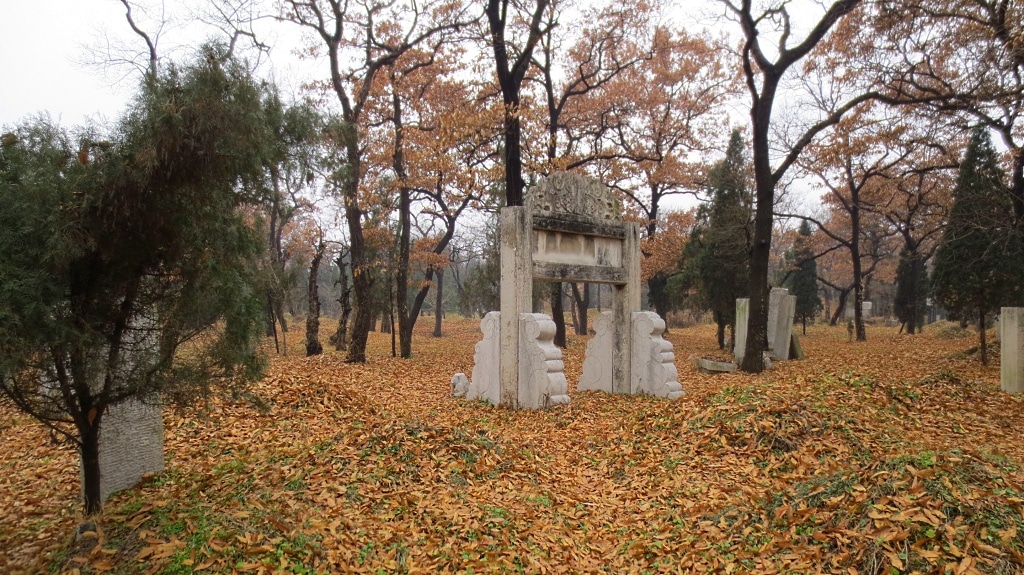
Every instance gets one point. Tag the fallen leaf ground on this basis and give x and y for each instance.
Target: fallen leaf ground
(895, 455)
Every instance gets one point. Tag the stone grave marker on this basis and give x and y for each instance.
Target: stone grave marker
(1011, 351)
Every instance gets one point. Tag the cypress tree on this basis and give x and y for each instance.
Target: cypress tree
(911, 291)
(722, 262)
(979, 265)
(803, 283)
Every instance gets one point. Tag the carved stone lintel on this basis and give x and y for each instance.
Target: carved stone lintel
(652, 360)
(541, 379)
(572, 196)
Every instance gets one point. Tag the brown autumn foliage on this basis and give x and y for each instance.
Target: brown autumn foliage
(894, 455)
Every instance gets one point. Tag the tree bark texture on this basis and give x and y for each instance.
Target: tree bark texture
(313, 346)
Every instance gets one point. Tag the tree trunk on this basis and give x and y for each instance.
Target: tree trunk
(984, 342)
(582, 306)
(720, 335)
(405, 322)
(438, 303)
(761, 243)
(345, 299)
(840, 306)
(362, 282)
(558, 314)
(272, 323)
(90, 452)
(313, 346)
(657, 288)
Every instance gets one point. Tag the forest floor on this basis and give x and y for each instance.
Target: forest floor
(895, 455)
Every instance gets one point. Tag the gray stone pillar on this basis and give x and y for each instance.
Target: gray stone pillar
(516, 294)
(742, 319)
(626, 300)
(783, 327)
(774, 299)
(1011, 341)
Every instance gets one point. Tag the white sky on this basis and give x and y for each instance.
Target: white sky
(40, 42)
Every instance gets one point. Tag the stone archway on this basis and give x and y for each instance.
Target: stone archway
(570, 230)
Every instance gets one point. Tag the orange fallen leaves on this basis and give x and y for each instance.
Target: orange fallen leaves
(890, 454)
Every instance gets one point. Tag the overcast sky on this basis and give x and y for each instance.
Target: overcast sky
(41, 45)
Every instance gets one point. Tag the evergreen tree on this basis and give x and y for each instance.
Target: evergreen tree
(116, 254)
(721, 263)
(979, 265)
(803, 282)
(911, 291)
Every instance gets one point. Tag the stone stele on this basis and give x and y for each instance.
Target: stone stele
(1011, 352)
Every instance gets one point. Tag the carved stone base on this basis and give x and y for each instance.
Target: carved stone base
(597, 363)
(486, 381)
(653, 365)
(541, 378)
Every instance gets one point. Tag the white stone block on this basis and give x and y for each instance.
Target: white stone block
(742, 319)
(774, 299)
(460, 385)
(652, 362)
(783, 327)
(598, 371)
(131, 445)
(1011, 341)
(486, 381)
(541, 371)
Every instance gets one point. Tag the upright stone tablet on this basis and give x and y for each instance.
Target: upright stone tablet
(1011, 341)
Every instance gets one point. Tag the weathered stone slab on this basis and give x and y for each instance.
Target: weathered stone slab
(711, 366)
(1011, 341)
(796, 349)
(653, 362)
(597, 364)
(774, 300)
(516, 294)
(486, 381)
(541, 379)
(131, 445)
(783, 327)
(742, 319)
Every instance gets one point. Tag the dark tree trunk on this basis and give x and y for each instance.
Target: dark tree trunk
(313, 346)
(761, 245)
(858, 272)
(582, 304)
(89, 449)
(840, 306)
(438, 303)
(405, 322)
(558, 314)
(984, 342)
(510, 79)
(271, 323)
(721, 330)
(362, 281)
(657, 288)
(345, 299)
